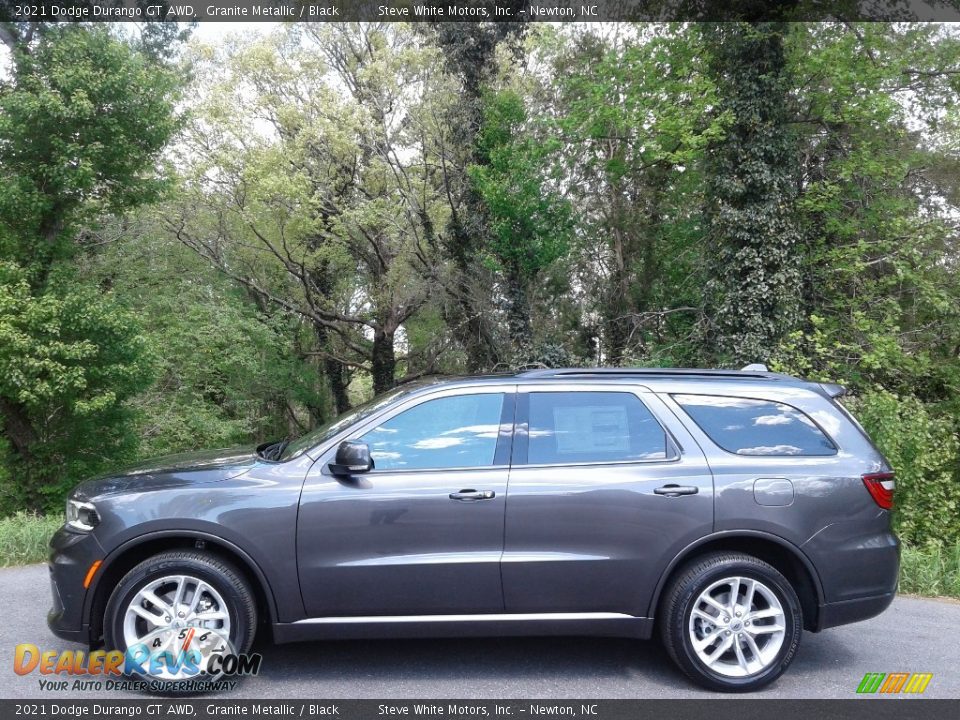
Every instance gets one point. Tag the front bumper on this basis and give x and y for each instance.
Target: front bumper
(71, 555)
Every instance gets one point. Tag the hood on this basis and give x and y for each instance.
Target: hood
(172, 471)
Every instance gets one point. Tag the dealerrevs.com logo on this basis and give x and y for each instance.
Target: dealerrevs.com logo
(892, 683)
(169, 660)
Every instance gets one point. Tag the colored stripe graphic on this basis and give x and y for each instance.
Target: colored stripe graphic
(894, 682)
(871, 682)
(918, 682)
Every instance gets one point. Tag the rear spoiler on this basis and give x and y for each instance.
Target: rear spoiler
(833, 390)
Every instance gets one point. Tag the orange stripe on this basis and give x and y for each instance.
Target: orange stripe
(894, 682)
(90, 573)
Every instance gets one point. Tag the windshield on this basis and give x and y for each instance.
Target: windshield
(328, 430)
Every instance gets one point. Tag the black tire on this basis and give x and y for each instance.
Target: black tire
(677, 605)
(225, 578)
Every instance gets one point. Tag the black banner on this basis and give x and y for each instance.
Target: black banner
(208, 708)
(474, 10)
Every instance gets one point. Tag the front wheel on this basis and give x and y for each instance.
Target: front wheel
(175, 611)
(731, 622)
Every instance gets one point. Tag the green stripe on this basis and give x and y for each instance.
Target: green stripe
(871, 682)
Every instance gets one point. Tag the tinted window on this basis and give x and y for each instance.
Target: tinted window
(575, 427)
(756, 427)
(457, 431)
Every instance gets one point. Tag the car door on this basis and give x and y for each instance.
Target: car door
(606, 487)
(421, 533)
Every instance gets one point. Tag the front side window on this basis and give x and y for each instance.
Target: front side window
(449, 432)
(756, 427)
(584, 427)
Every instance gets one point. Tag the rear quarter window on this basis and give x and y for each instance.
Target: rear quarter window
(745, 426)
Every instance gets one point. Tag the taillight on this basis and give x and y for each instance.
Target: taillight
(881, 487)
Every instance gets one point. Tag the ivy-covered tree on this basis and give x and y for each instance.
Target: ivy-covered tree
(753, 293)
(470, 55)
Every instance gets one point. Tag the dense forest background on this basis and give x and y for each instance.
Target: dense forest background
(207, 246)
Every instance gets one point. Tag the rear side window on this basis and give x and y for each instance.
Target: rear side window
(756, 427)
(583, 427)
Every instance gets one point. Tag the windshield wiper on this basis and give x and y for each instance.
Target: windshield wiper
(273, 451)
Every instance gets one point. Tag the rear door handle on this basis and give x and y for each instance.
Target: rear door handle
(473, 495)
(677, 490)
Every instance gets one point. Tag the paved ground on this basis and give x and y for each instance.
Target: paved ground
(914, 635)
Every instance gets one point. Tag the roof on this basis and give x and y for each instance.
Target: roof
(753, 374)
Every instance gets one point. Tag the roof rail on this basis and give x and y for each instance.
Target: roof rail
(649, 372)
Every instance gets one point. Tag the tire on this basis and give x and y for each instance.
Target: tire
(687, 615)
(214, 580)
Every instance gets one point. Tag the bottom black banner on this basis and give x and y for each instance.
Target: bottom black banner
(707, 709)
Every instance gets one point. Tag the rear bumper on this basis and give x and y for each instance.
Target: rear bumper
(851, 611)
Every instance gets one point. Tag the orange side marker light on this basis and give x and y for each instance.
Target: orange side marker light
(90, 573)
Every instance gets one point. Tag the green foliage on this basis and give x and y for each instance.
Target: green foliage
(82, 121)
(925, 452)
(25, 537)
(79, 130)
(530, 225)
(226, 373)
(880, 287)
(69, 359)
(635, 116)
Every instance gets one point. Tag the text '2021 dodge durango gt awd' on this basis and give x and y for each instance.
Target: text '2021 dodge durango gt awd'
(726, 511)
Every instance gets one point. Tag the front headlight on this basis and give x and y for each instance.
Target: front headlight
(81, 516)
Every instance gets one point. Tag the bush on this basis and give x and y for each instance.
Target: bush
(930, 570)
(924, 450)
(24, 538)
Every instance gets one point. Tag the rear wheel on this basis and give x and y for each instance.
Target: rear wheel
(180, 602)
(731, 622)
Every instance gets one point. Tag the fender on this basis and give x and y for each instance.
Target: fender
(196, 534)
(734, 534)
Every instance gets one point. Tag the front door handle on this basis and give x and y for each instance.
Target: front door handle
(677, 490)
(473, 495)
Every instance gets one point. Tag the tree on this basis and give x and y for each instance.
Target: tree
(632, 110)
(529, 224)
(328, 212)
(227, 371)
(470, 54)
(81, 124)
(751, 175)
(881, 296)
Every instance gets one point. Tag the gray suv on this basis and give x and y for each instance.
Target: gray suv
(725, 511)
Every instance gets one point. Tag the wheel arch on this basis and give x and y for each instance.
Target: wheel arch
(125, 557)
(786, 557)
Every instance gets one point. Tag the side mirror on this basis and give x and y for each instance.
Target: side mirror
(352, 457)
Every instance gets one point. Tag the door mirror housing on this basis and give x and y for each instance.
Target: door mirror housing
(353, 457)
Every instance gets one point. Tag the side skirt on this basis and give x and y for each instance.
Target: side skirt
(437, 626)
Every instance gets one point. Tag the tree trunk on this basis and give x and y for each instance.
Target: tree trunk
(383, 361)
(467, 321)
(17, 427)
(518, 313)
(333, 369)
(336, 376)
